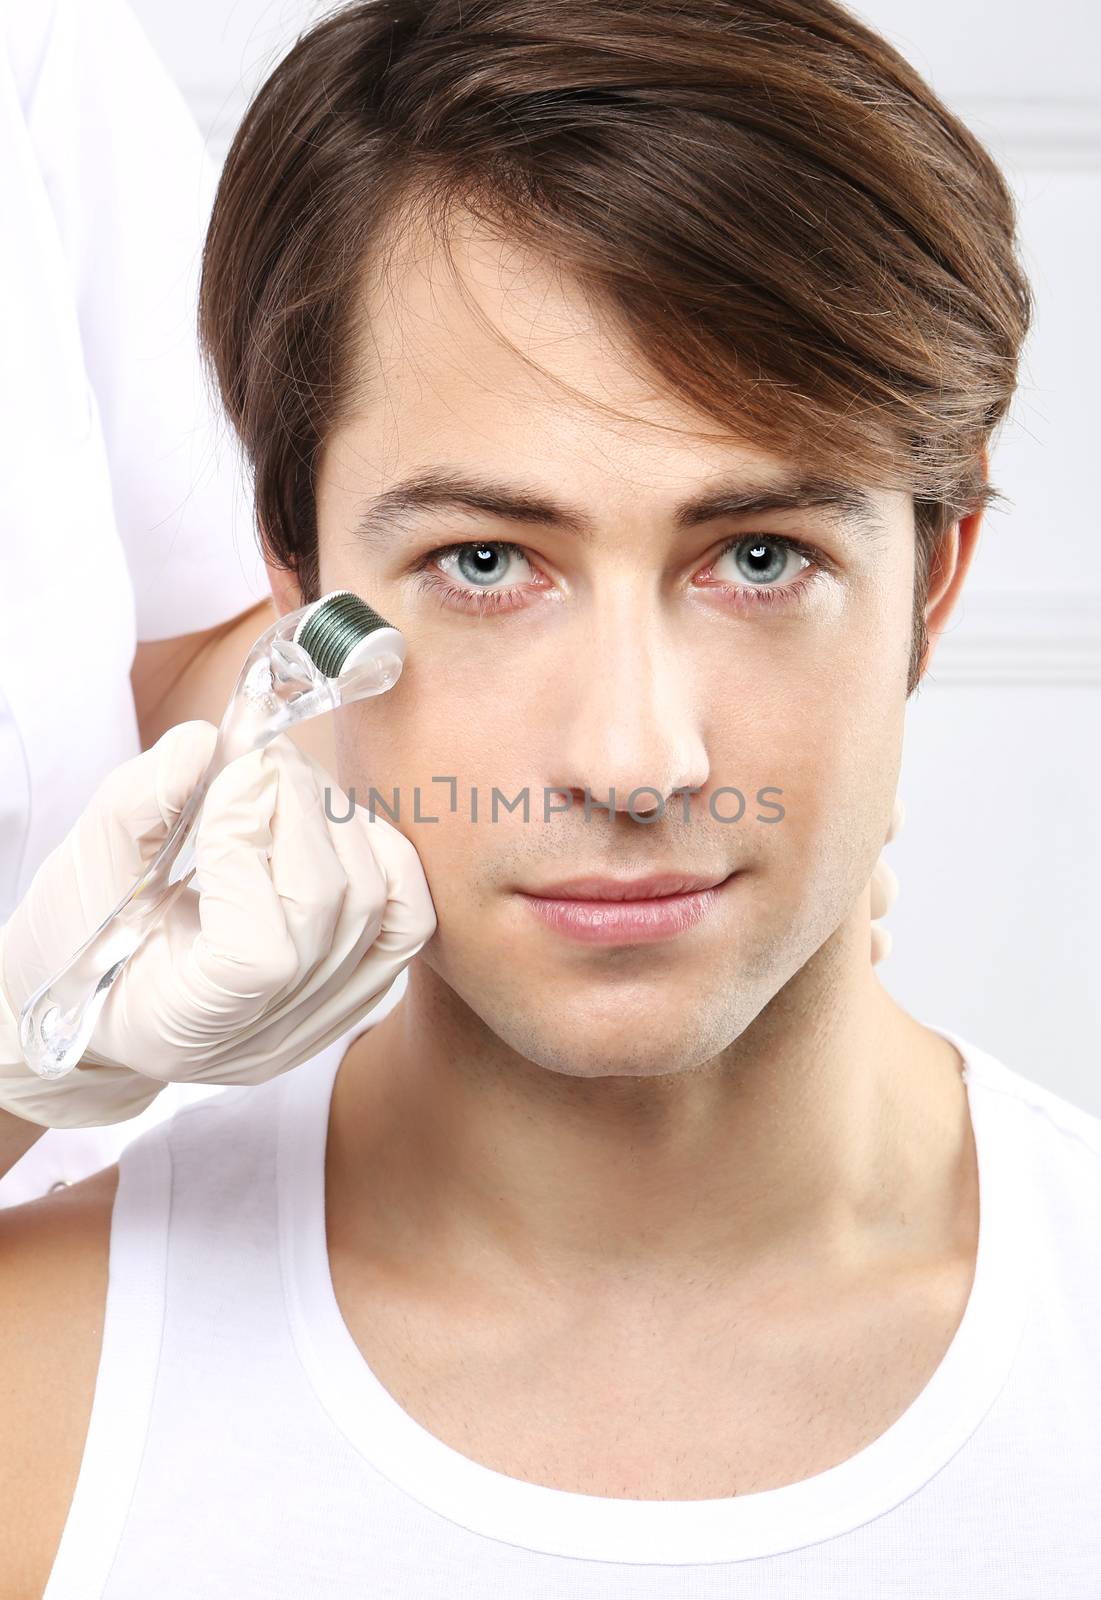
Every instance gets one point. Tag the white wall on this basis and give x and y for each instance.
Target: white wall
(998, 923)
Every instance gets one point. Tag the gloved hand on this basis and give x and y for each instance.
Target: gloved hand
(297, 927)
(884, 886)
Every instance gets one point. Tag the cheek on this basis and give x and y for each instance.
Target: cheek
(824, 724)
(438, 730)
(427, 758)
(812, 699)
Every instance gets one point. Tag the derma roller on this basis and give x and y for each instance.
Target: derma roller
(324, 655)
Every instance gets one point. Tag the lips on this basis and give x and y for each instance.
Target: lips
(648, 888)
(631, 911)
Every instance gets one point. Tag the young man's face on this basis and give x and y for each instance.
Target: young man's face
(635, 658)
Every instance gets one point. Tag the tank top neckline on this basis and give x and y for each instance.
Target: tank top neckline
(937, 1423)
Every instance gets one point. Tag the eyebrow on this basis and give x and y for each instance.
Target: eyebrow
(436, 489)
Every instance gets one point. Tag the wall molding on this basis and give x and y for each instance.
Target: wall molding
(217, 108)
(1025, 640)
(1036, 131)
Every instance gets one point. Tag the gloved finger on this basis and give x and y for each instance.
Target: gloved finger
(109, 846)
(321, 899)
(138, 804)
(374, 904)
(220, 953)
(117, 834)
(229, 957)
(386, 917)
(243, 953)
(290, 1034)
(410, 916)
(884, 889)
(331, 887)
(86, 1097)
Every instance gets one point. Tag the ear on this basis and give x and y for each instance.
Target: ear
(951, 560)
(284, 588)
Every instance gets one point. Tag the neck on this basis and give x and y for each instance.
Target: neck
(832, 1134)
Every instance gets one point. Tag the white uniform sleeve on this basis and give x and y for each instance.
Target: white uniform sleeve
(131, 186)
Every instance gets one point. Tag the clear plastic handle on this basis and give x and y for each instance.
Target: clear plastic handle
(279, 686)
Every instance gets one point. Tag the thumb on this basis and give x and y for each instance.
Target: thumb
(107, 849)
(137, 805)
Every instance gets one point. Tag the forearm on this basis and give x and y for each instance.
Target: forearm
(17, 1134)
(16, 1138)
(174, 680)
(202, 687)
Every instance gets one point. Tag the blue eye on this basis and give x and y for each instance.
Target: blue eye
(478, 563)
(762, 559)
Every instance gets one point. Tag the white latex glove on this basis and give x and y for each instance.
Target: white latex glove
(296, 928)
(884, 886)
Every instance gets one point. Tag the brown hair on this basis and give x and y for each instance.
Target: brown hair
(781, 217)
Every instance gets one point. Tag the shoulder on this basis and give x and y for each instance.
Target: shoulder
(54, 1255)
(1057, 1124)
(1059, 1146)
(25, 33)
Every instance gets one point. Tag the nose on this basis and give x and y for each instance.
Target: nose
(629, 722)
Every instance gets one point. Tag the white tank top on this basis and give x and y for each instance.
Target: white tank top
(240, 1446)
